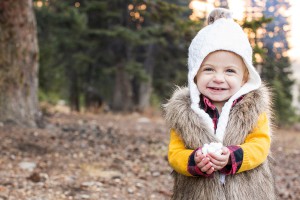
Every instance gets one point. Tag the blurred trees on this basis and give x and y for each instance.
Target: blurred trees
(110, 50)
(63, 51)
(18, 63)
(131, 53)
(270, 57)
(277, 69)
(252, 27)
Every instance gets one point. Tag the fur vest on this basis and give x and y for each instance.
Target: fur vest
(255, 184)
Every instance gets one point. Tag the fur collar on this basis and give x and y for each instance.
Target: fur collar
(254, 184)
(243, 116)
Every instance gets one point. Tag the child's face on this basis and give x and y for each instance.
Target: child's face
(221, 75)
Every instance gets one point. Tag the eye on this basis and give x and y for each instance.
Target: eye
(230, 71)
(208, 69)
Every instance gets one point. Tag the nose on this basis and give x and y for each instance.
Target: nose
(218, 78)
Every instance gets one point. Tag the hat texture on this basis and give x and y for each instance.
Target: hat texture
(221, 33)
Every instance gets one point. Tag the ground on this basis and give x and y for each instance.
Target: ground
(106, 156)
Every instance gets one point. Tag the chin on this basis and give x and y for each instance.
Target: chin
(218, 99)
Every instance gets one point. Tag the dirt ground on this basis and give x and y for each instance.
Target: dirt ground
(105, 156)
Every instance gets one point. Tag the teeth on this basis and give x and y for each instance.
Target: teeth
(217, 88)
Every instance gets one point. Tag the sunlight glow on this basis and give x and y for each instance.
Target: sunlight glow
(137, 15)
(200, 9)
(142, 7)
(77, 4)
(258, 58)
(39, 4)
(238, 8)
(294, 40)
(130, 7)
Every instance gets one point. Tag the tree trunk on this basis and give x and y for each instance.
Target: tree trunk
(123, 91)
(74, 92)
(123, 97)
(73, 87)
(92, 97)
(18, 63)
(145, 88)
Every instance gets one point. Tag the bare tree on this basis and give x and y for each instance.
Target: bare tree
(18, 63)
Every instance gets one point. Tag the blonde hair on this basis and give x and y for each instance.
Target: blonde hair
(246, 75)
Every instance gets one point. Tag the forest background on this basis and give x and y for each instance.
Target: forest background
(81, 88)
(123, 56)
(128, 55)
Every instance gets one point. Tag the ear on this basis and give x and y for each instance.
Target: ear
(196, 77)
(246, 76)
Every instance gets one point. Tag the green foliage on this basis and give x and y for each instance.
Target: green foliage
(278, 73)
(275, 71)
(285, 114)
(82, 49)
(50, 97)
(253, 26)
(87, 44)
(135, 69)
(256, 24)
(176, 34)
(60, 44)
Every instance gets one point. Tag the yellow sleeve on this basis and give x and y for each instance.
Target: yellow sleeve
(257, 145)
(178, 155)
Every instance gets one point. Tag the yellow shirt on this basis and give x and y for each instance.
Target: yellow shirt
(255, 148)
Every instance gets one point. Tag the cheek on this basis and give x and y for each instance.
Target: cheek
(236, 82)
(201, 81)
(199, 84)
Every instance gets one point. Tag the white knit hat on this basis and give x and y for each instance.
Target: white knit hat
(222, 33)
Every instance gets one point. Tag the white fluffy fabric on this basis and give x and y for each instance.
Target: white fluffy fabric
(222, 34)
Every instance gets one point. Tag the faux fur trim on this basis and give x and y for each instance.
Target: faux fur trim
(243, 116)
(179, 115)
(255, 184)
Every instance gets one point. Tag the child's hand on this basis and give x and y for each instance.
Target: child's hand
(203, 163)
(219, 161)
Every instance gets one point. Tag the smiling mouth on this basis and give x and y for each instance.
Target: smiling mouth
(214, 88)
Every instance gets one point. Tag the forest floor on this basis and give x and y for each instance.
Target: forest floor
(106, 156)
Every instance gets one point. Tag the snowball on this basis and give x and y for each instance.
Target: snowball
(213, 147)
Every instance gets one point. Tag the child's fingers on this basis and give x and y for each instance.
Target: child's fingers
(210, 170)
(198, 156)
(197, 159)
(218, 166)
(198, 152)
(219, 163)
(207, 167)
(218, 158)
(204, 164)
(225, 151)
